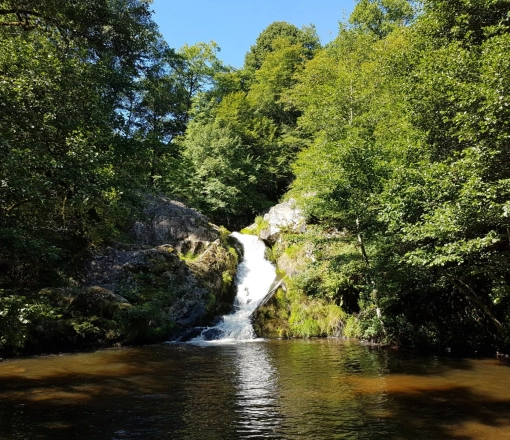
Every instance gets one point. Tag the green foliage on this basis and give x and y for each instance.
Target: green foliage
(312, 318)
(189, 256)
(223, 174)
(266, 41)
(227, 277)
(62, 79)
(146, 322)
(212, 298)
(224, 234)
(260, 224)
(352, 327)
(276, 76)
(17, 314)
(393, 138)
(409, 140)
(381, 17)
(85, 328)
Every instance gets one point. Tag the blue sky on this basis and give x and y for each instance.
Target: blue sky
(236, 24)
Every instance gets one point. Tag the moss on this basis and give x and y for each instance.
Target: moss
(188, 256)
(352, 328)
(211, 302)
(271, 319)
(224, 234)
(260, 224)
(322, 273)
(313, 317)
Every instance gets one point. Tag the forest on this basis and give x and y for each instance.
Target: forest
(394, 138)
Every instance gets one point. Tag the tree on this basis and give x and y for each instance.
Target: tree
(223, 174)
(381, 17)
(447, 212)
(349, 95)
(307, 38)
(63, 71)
(198, 69)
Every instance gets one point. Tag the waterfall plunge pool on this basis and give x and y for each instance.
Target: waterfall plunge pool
(294, 389)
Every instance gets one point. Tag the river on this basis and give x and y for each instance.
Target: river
(297, 389)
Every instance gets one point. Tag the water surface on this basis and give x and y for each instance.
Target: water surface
(315, 389)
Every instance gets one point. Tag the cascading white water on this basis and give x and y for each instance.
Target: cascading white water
(254, 278)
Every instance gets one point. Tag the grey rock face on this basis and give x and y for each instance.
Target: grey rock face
(171, 222)
(197, 284)
(284, 216)
(176, 273)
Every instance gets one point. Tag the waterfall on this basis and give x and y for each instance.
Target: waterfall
(254, 277)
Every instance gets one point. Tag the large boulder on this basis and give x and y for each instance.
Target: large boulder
(287, 217)
(192, 289)
(178, 259)
(171, 222)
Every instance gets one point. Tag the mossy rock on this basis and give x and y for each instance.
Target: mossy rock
(97, 301)
(270, 320)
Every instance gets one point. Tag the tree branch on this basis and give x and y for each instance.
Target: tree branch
(470, 294)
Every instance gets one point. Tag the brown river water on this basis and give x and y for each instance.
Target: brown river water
(300, 389)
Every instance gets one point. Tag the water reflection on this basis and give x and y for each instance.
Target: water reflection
(257, 392)
(321, 394)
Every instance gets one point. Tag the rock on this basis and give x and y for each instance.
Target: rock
(191, 273)
(97, 301)
(211, 334)
(270, 319)
(286, 216)
(171, 222)
(177, 273)
(190, 334)
(192, 290)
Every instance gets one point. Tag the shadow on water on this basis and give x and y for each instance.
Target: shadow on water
(345, 390)
(455, 412)
(144, 393)
(320, 389)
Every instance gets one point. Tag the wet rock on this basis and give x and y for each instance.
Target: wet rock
(211, 334)
(190, 334)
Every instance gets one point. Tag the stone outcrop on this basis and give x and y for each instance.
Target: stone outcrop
(270, 319)
(177, 272)
(286, 216)
(171, 222)
(179, 254)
